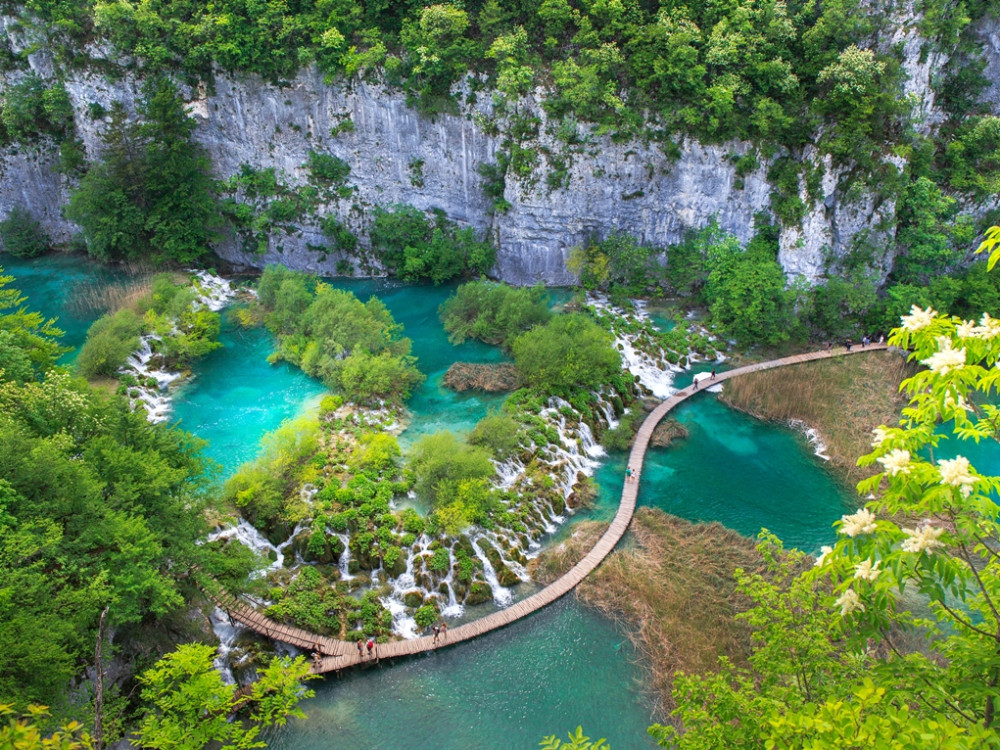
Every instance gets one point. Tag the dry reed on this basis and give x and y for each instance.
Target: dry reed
(843, 398)
(673, 594)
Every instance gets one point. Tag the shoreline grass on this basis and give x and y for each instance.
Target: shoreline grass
(672, 592)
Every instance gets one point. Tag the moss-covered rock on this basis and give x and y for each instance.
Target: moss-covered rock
(413, 598)
(479, 592)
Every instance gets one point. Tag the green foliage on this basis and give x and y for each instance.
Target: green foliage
(617, 264)
(28, 346)
(746, 289)
(494, 313)
(498, 432)
(351, 346)
(110, 341)
(31, 731)
(152, 195)
(189, 706)
(910, 658)
(427, 615)
(328, 168)
(29, 110)
(440, 461)
(577, 741)
(414, 246)
(22, 235)
(567, 353)
(266, 490)
(930, 240)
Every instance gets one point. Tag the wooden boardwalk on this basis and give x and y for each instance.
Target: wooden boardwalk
(337, 654)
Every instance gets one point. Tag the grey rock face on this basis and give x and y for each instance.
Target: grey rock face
(631, 187)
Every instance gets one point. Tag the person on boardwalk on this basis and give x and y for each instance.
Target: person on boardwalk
(848, 344)
(437, 632)
(829, 346)
(628, 474)
(444, 630)
(361, 650)
(370, 646)
(712, 377)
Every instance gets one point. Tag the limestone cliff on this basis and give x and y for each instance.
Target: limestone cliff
(635, 187)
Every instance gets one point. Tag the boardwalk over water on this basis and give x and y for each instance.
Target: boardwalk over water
(338, 654)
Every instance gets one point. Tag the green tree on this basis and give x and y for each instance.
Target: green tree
(570, 351)
(493, 313)
(152, 194)
(22, 235)
(440, 459)
(189, 706)
(28, 340)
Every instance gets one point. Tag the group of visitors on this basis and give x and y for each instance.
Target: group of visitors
(866, 340)
(440, 630)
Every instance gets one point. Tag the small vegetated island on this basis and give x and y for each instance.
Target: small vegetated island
(363, 542)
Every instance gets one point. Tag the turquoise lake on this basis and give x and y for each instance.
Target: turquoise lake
(561, 667)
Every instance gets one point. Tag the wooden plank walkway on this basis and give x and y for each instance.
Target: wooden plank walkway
(337, 654)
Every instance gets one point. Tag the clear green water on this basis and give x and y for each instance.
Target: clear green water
(559, 668)
(54, 285)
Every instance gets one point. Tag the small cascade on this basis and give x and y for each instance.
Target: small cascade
(280, 549)
(508, 472)
(247, 535)
(453, 608)
(227, 633)
(813, 437)
(608, 412)
(214, 292)
(344, 562)
(403, 623)
(502, 596)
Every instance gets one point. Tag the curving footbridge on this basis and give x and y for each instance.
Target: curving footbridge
(334, 654)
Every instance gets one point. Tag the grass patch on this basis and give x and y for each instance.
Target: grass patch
(843, 398)
(673, 592)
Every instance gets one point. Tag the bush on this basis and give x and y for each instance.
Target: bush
(110, 341)
(498, 432)
(440, 458)
(22, 235)
(427, 615)
(570, 351)
(493, 313)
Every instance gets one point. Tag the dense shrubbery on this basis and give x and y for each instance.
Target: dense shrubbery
(569, 352)
(22, 235)
(185, 330)
(28, 345)
(413, 246)
(97, 508)
(352, 346)
(494, 313)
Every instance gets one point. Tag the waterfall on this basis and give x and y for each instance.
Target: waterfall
(226, 632)
(345, 558)
(502, 596)
(245, 533)
(453, 608)
(403, 623)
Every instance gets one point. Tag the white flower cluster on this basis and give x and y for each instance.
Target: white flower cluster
(957, 472)
(988, 327)
(825, 552)
(925, 538)
(918, 319)
(879, 436)
(946, 358)
(866, 571)
(862, 522)
(897, 461)
(849, 602)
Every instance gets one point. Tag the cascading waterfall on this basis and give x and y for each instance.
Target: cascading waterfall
(344, 563)
(453, 608)
(227, 633)
(246, 534)
(502, 596)
(213, 292)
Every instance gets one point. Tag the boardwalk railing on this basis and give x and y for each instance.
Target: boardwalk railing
(336, 654)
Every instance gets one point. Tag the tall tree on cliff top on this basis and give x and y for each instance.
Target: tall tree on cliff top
(151, 197)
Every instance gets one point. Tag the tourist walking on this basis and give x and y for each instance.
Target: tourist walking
(437, 632)
(361, 650)
(444, 630)
(713, 374)
(370, 646)
(628, 474)
(848, 344)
